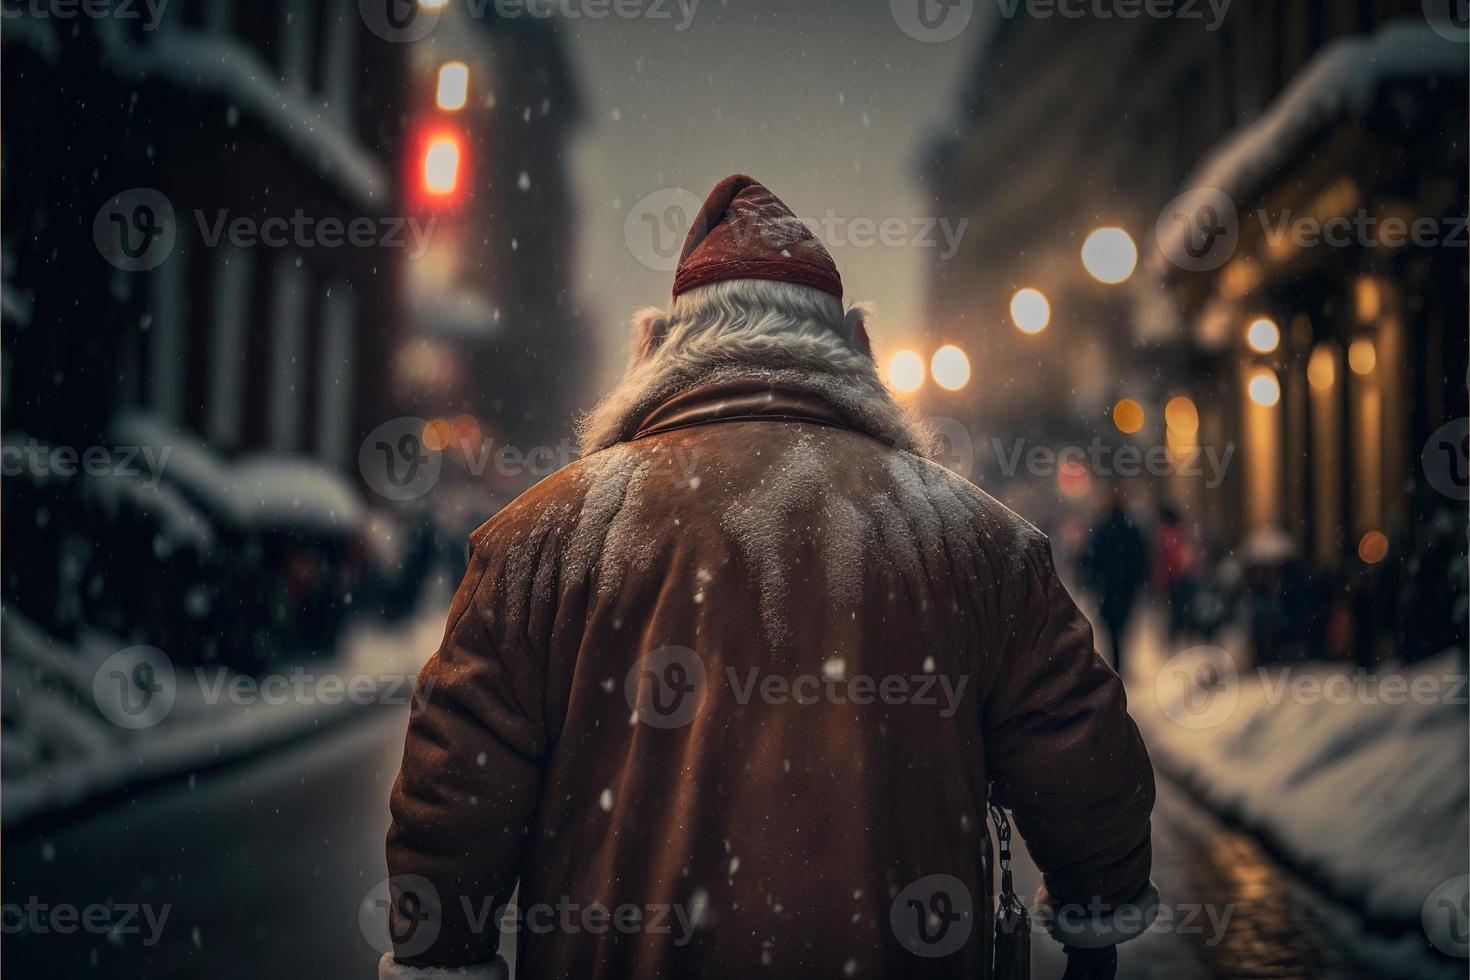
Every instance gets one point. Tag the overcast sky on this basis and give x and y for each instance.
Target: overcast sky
(825, 101)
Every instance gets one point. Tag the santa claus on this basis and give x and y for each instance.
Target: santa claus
(729, 696)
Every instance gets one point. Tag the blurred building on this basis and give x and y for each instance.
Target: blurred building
(274, 111)
(1253, 166)
(251, 233)
(497, 338)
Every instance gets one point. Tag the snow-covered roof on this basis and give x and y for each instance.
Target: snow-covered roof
(1341, 82)
(295, 491)
(224, 67)
(257, 490)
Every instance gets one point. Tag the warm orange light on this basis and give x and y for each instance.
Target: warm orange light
(1128, 415)
(454, 86)
(1322, 368)
(1073, 479)
(441, 165)
(1373, 548)
(1362, 357)
(1181, 416)
(906, 371)
(436, 435)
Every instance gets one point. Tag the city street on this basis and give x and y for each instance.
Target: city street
(296, 842)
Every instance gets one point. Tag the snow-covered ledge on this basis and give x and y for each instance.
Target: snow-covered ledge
(224, 67)
(391, 969)
(1341, 82)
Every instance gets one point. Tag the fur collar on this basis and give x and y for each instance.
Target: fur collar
(824, 367)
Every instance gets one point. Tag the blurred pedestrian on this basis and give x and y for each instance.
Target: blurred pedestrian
(1176, 562)
(1115, 566)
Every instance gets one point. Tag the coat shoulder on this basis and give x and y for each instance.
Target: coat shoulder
(1002, 528)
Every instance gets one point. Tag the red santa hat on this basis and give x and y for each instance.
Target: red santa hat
(743, 231)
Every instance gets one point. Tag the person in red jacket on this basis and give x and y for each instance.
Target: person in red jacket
(730, 694)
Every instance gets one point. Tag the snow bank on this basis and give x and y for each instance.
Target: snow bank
(260, 490)
(1364, 786)
(59, 749)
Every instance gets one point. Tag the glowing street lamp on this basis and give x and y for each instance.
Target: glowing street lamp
(1264, 388)
(906, 371)
(950, 368)
(1030, 311)
(454, 86)
(1110, 255)
(1263, 335)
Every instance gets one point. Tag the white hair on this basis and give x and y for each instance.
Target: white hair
(777, 332)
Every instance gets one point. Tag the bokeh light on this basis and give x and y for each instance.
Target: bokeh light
(905, 371)
(1373, 547)
(1264, 388)
(1362, 357)
(1128, 415)
(1110, 255)
(1030, 310)
(1322, 368)
(454, 86)
(1181, 416)
(1263, 335)
(950, 368)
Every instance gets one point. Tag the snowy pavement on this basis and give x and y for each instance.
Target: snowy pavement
(1357, 781)
(262, 869)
